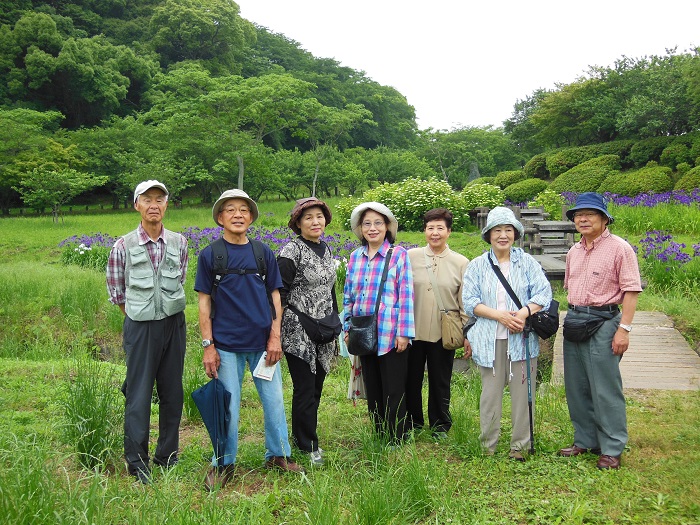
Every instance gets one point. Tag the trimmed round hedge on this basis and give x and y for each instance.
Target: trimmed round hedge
(525, 190)
(653, 179)
(506, 178)
(689, 181)
(587, 176)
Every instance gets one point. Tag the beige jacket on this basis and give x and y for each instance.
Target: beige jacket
(449, 268)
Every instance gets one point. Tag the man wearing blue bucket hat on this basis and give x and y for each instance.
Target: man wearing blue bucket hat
(602, 274)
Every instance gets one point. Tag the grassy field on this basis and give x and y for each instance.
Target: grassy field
(60, 423)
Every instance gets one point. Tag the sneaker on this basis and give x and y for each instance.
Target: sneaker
(284, 464)
(144, 476)
(315, 458)
(218, 477)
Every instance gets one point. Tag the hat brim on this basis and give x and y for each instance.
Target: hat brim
(604, 212)
(216, 209)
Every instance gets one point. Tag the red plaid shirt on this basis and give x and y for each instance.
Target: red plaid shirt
(600, 273)
(117, 262)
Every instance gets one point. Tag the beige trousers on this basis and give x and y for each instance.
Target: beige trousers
(493, 383)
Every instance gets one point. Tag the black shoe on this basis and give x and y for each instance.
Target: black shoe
(168, 463)
(144, 476)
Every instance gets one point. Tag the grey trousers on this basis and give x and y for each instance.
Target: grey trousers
(493, 382)
(594, 390)
(155, 353)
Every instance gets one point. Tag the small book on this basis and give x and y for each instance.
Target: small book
(263, 370)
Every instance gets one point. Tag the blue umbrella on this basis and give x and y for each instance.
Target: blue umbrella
(213, 402)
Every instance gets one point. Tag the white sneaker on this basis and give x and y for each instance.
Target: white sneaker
(315, 458)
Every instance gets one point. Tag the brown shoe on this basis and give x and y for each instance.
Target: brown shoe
(217, 477)
(573, 450)
(516, 455)
(285, 464)
(606, 462)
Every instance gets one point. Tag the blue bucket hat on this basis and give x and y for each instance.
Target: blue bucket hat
(498, 216)
(590, 201)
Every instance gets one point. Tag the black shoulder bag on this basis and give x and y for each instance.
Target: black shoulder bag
(544, 323)
(362, 334)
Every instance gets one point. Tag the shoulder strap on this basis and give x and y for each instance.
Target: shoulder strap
(505, 283)
(431, 275)
(220, 268)
(381, 283)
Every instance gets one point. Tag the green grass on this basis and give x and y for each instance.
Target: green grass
(56, 319)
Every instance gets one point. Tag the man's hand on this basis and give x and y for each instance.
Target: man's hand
(621, 341)
(401, 343)
(274, 350)
(211, 361)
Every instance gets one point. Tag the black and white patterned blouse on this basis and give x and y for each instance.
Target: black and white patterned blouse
(308, 277)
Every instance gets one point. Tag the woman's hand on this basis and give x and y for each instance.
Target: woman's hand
(401, 343)
(512, 321)
(467, 349)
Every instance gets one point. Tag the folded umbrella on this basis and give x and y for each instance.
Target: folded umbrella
(213, 402)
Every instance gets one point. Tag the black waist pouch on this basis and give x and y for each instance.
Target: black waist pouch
(579, 329)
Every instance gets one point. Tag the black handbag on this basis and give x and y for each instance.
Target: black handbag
(363, 334)
(321, 331)
(544, 323)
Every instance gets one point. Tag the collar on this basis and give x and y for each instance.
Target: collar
(383, 249)
(515, 254)
(443, 253)
(595, 242)
(145, 239)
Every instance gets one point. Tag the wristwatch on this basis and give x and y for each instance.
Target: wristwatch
(626, 327)
(206, 342)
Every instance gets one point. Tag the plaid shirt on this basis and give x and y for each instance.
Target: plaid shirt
(601, 273)
(117, 262)
(395, 316)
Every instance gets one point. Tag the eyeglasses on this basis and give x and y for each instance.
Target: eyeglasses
(368, 224)
(584, 214)
(234, 209)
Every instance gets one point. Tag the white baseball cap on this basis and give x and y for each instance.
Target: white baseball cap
(147, 185)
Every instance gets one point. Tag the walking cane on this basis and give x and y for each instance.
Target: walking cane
(526, 334)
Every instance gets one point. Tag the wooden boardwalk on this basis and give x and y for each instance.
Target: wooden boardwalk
(658, 357)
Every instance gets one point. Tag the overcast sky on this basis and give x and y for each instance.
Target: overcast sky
(466, 62)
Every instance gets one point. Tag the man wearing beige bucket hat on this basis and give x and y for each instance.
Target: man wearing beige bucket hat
(242, 329)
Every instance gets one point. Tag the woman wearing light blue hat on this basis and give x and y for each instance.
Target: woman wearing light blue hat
(497, 339)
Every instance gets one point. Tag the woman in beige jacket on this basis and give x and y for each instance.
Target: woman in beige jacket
(448, 268)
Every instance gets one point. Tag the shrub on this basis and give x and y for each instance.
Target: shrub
(682, 169)
(482, 180)
(536, 167)
(506, 178)
(653, 179)
(563, 160)
(486, 195)
(552, 203)
(648, 149)
(587, 176)
(524, 190)
(409, 200)
(675, 154)
(690, 180)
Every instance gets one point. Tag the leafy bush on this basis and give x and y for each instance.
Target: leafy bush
(565, 159)
(506, 178)
(682, 169)
(552, 203)
(653, 179)
(409, 200)
(536, 167)
(587, 176)
(675, 154)
(486, 195)
(482, 180)
(87, 251)
(524, 190)
(648, 149)
(690, 180)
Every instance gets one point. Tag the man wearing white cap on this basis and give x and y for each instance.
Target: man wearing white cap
(145, 276)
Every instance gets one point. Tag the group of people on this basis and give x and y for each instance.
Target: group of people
(252, 308)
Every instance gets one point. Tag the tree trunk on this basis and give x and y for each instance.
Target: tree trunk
(240, 172)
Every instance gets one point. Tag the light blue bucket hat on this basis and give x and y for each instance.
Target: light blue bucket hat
(499, 216)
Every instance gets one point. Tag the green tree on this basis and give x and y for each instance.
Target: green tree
(54, 188)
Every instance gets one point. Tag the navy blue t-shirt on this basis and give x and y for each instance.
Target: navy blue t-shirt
(243, 318)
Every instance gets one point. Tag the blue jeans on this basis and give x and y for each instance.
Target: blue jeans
(231, 374)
